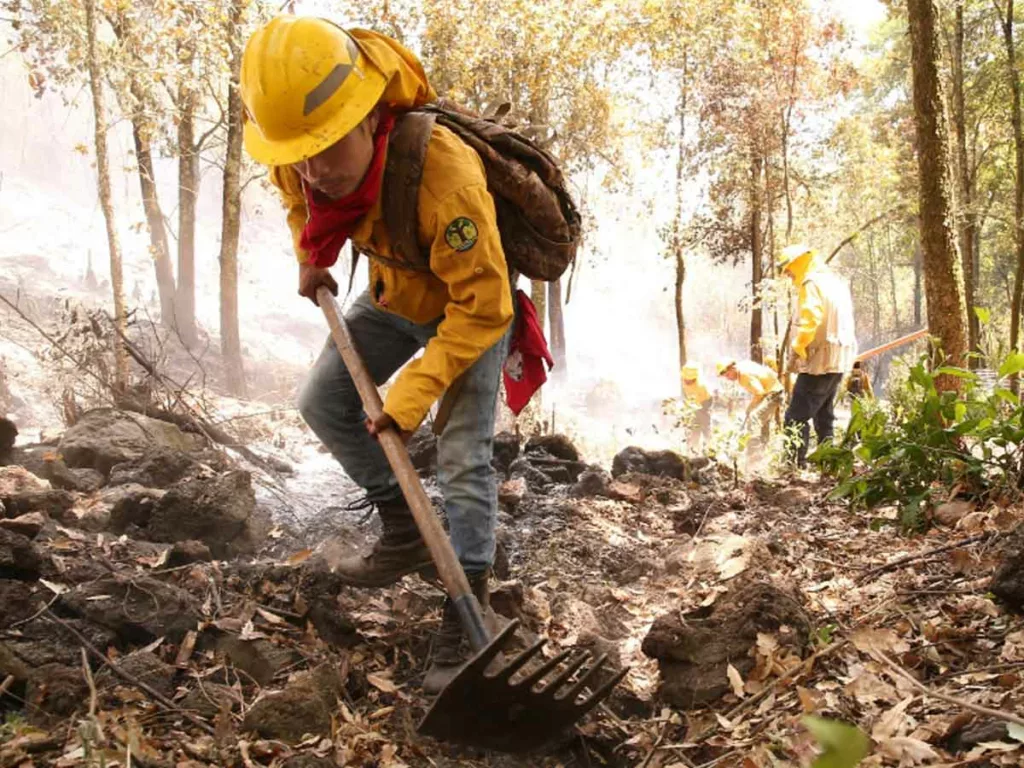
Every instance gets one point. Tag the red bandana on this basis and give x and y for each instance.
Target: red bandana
(332, 222)
(524, 369)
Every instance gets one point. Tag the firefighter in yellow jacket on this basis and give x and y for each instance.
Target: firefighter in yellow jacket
(697, 396)
(823, 348)
(320, 102)
(766, 394)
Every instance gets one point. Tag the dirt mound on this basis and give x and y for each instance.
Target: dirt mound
(694, 651)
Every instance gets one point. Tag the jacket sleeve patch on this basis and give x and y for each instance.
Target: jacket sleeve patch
(461, 234)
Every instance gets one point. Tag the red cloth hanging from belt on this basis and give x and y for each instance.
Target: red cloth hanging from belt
(529, 359)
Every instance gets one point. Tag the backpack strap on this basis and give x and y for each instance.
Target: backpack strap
(403, 172)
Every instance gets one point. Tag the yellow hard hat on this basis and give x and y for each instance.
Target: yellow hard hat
(791, 253)
(305, 83)
(690, 371)
(723, 364)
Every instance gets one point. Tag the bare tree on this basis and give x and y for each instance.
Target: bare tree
(231, 348)
(106, 201)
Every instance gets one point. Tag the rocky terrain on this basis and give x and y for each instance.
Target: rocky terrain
(155, 613)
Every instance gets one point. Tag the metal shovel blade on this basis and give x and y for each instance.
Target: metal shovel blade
(493, 712)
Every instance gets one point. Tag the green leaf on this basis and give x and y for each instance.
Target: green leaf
(984, 315)
(959, 373)
(1014, 363)
(843, 746)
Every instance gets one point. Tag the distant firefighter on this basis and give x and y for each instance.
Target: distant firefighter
(697, 395)
(766, 393)
(824, 345)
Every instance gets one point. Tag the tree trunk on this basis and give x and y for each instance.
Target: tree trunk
(680, 316)
(230, 344)
(1018, 197)
(158, 246)
(538, 295)
(918, 292)
(756, 248)
(677, 245)
(188, 188)
(141, 105)
(106, 200)
(942, 269)
(556, 322)
(967, 217)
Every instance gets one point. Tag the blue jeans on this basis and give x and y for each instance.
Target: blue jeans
(331, 406)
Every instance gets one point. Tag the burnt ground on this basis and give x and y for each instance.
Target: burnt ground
(739, 606)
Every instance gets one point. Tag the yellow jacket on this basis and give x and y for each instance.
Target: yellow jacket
(697, 392)
(759, 380)
(825, 336)
(469, 288)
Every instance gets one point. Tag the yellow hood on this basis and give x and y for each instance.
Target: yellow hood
(802, 266)
(407, 86)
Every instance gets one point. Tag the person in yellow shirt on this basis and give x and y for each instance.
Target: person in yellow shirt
(320, 104)
(697, 395)
(766, 393)
(824, 345)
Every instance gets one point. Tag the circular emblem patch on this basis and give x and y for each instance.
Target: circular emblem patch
(461, 234)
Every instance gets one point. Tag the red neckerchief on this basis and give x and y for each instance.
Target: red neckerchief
(524, 370)
(332, 222)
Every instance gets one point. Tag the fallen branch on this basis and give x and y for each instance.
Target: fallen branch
(37, 614)
(158, 697)
(899, 671)
(922, 555)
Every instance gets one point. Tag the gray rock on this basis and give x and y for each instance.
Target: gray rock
(158, 467)
(138, 609)
(147, 667)
(694, 653)
(28, 525)
(660, 463)
(303, 707)
(130, 504)
(505, 451)
(105, 437)
(559, 446)
(208, 699)
(20, 558)
(185, 552)
(213, 510)
(592, 482)
(62, 476)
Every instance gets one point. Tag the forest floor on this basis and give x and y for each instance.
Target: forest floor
(264, 660)
(739, 605)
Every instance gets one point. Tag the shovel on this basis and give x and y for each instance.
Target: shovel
(513, 708)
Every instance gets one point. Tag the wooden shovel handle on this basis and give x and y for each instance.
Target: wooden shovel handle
(448, 568)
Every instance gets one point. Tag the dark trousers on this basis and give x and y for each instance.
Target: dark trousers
(813, 399)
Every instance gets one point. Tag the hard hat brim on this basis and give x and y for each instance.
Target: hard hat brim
(305, 145)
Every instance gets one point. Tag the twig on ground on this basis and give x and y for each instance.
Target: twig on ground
(805, 666)
(979, 670)
(7, 683)
(37, 614)
(657, 743)
(923, 555)
(158, 697)
(899, 671)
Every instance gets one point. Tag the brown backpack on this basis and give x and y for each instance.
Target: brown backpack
(537, 218)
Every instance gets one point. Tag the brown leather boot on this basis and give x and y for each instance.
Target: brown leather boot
(399, 551)
(451, 648)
